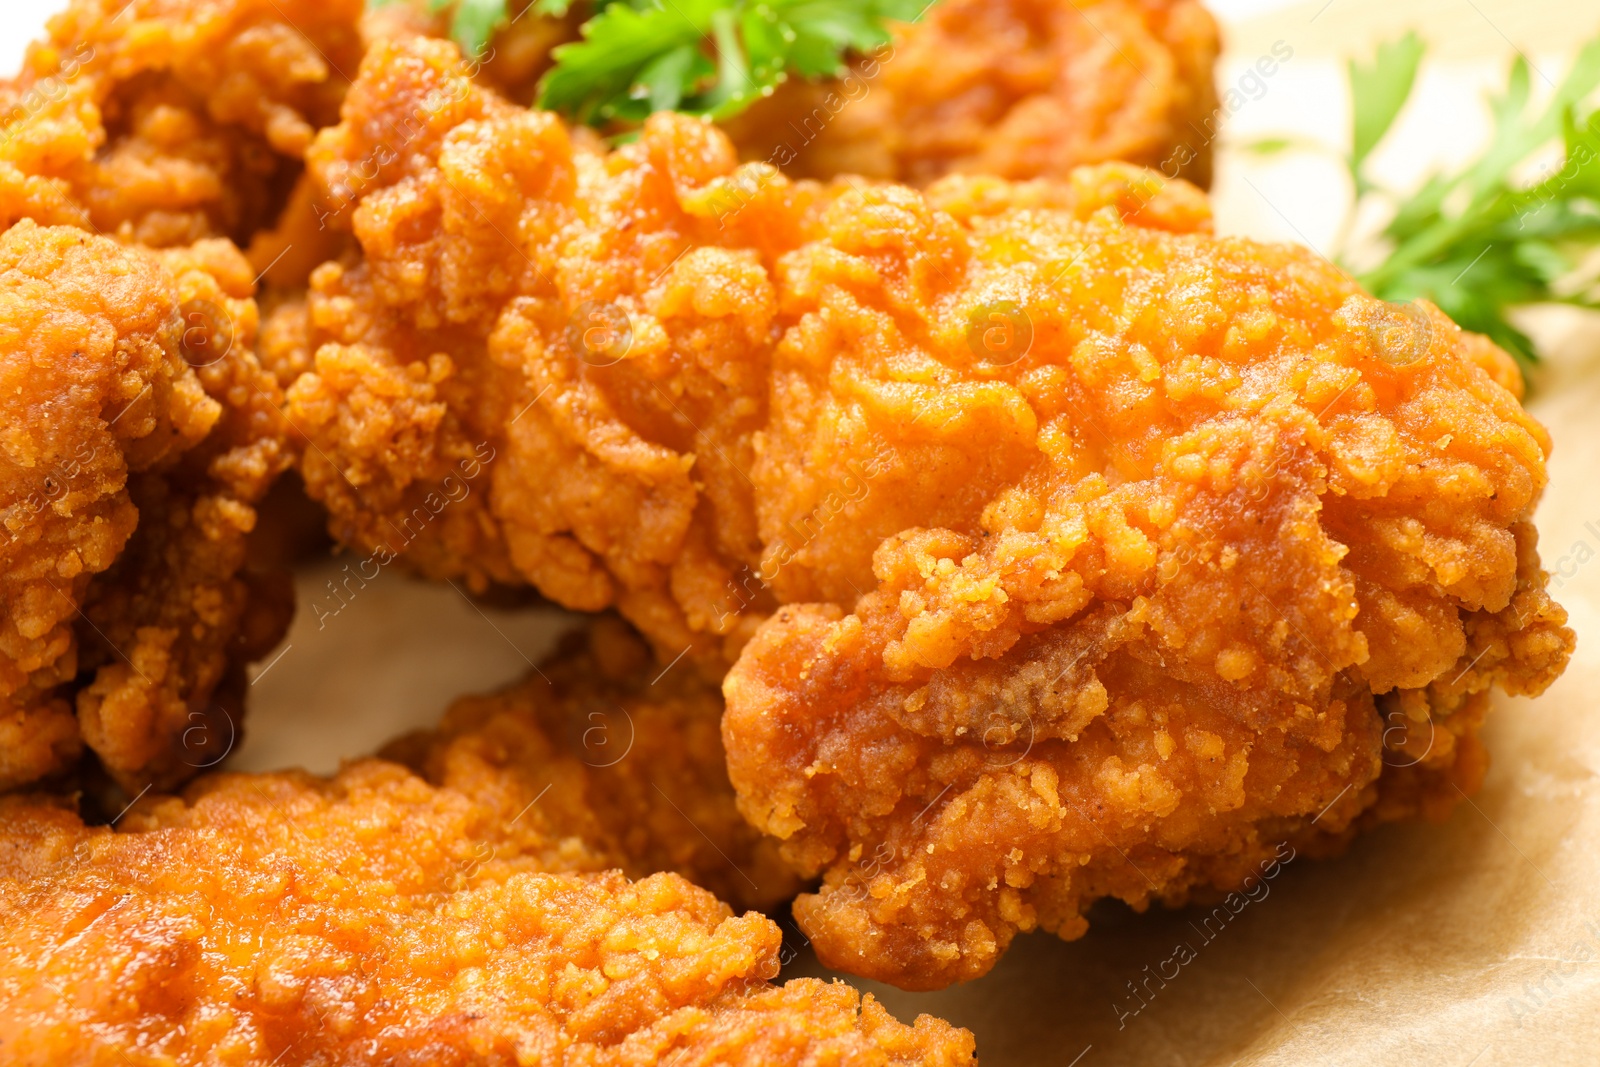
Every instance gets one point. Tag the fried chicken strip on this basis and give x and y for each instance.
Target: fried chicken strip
(474, 917)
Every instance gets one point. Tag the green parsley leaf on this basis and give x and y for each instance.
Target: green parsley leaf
(1378, 92)
(1480, 241)
(704, 57)
(707, 57)
(475, 23)
(1475, 242)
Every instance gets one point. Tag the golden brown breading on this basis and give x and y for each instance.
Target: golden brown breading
(604, 744)
(142, 430)
(451, 374)
(1186, 531)
(95, 385)
(373, 918)
(166, 121)
(172, 624)
(452, 419)
(1013, 88)
(1226, 553)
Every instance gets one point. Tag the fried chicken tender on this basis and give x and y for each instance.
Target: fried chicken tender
(374, 917)
(1096, 555)
(162, 122)
(140, 431)
(1013, 88)
(604, 744)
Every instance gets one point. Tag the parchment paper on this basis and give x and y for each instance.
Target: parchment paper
(1471, 944)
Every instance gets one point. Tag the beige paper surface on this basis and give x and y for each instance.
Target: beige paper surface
(1471, 944)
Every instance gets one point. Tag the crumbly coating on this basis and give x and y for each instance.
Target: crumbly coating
(1228, 554)
(1014, 88)
(606, 745)
(170, 124)
(1070, 501)
(548, 364)
(141, 432)
(170, 627)
(455, 415)
(165, 121)
(373, 918)
(94, 387)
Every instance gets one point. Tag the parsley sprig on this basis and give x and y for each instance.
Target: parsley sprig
(1483, 239)
(703, 57)
(707, 57)
(474, 22)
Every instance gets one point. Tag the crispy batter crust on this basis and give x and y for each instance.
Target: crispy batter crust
(165, 121)
(592, 330)
(94, 386)
(1229, 554)
(138, 459)
(142, 431)
(373, 918)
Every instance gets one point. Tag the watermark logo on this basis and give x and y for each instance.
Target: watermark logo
(205, 333)
(208, 738)
(1002, 737)
(1400, 334)
(605, 737)
(601, 334)
(1402, 737)
(999, 332)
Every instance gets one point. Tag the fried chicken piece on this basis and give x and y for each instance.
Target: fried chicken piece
(163, 122)
(141, 431)
(172, 624)
(94, 386)
(605, 744)
(451, 416)
(453, 374)
(1158, 545)
(1210, 552)
(375, 918)
(1013, 88)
